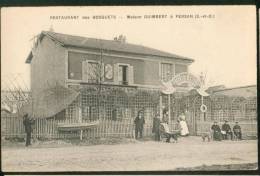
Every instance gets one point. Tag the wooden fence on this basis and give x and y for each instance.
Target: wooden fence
(47, 128)
(12, 126)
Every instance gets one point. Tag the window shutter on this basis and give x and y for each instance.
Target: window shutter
(131, 75)
(102, 72)
(85, 71)
(120, 74)
(115, 73)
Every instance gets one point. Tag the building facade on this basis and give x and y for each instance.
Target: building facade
(72, 60)
(111, 80)
(130, 74)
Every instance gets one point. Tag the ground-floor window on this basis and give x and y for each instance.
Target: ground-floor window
(89, 113)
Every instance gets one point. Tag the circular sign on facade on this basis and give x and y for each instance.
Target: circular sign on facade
(203, 108)
(108, 71)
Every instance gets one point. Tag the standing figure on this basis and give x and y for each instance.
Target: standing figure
(156, 127)
(139, 124)
(165, 118)
(183, 126)
(216, 132)
(237, 131)
(226, 131)
(27, 122)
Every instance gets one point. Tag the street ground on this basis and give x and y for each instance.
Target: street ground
(189, 153)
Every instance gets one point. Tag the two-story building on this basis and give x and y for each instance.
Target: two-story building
(72, 60)
(80, 79)
(82, 63)
(77, 79)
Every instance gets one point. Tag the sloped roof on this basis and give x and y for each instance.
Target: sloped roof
(245, 92)
(215, 88)
(112, 45)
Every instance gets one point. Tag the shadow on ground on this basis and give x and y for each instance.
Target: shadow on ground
(17, 143)
(248, 166)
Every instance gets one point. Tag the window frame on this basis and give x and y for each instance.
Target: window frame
(87, 76)
(127, 73)
(182, 64)
(172, 69)
(96, 79)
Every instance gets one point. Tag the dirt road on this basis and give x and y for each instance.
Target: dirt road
(139, 156)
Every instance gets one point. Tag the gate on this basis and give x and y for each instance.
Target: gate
(190, 106)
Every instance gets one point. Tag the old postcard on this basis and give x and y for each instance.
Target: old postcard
(121, 88)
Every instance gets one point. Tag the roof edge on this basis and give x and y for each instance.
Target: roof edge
(68, 45)
(29, 58)
(254, 85)
(53, 38)
(179, 58)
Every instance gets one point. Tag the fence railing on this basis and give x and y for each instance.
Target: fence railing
(12, 126)
(47, 128)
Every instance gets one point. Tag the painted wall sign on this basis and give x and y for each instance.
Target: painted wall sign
(186, 78)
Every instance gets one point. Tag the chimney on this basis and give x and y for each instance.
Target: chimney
(121, 38)
(51, 29)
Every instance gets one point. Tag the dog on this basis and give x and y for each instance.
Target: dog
(205, 136)
(235, 138)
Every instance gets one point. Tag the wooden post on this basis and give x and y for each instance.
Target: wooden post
(160, 106)
(80, 120)
(169, 108)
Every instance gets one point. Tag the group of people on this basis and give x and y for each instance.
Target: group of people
(225, 132)
(218, 134)
(158, 123)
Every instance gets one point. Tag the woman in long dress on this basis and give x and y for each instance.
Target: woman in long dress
(183, 126)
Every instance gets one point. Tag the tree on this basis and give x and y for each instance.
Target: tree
(14, 93)
(93, 73)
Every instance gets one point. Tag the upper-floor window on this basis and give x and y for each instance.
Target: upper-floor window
(166, 71)
(123, 74)
(180, 68)
(93, 72)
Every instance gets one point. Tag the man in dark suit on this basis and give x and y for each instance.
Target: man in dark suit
(237, 131)
(156, 127)
(139, 124)
(27, 122)
(216, 132)
(165, 118)
(227, 131)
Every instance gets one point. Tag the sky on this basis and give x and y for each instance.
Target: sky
(223, 46)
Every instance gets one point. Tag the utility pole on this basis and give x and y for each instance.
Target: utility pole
(100, 77)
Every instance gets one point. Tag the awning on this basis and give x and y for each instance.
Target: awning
(167, 88)
(202, 92)
(49, 102)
